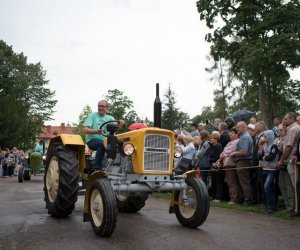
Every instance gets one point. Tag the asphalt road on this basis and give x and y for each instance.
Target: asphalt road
(25, 224)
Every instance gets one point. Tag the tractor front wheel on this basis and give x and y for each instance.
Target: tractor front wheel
(102, 207)
(193, 211)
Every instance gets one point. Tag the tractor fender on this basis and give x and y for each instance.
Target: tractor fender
(69, 139)
(76, 143)
(94, 176)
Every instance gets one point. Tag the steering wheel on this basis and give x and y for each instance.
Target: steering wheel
(104, 131)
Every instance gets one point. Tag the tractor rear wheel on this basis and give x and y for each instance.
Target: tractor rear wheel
(131, 204)
(61, 180)
(195, 211)
(102, 207)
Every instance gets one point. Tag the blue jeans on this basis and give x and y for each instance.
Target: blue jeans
(97, 145)
(269, 189)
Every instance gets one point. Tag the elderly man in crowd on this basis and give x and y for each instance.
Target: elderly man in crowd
(242, 157)
(286, 175)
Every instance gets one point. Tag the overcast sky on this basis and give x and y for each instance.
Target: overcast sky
(88, 47)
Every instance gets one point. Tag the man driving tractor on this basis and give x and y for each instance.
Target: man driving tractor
(94, 135)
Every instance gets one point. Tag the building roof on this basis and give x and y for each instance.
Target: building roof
(50, 131)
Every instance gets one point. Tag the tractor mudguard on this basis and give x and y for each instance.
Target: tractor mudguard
(76, 142)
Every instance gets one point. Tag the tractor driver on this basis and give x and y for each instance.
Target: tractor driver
(94, 136)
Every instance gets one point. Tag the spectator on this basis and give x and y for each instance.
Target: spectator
(251, 131)
(269, 159)
(280, 139)
(201, 157)
(286, 170)
(213, 126)
(252, 120)
(201, 126)
(217, 177)
(5, 165)
(256, 173)
(230, 122)
(276, 123)
(11, 163)
(194, 130)
(188, 152)
(231, 176)
(298, 120)
(242, 157)
(296, 160)
(224, 135)
(180, 140)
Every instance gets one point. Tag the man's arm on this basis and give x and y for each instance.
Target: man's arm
(88, 130)
(286, 152)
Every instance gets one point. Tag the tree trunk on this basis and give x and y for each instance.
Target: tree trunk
(262, 98)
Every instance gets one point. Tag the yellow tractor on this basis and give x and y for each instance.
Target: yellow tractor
(137, 163)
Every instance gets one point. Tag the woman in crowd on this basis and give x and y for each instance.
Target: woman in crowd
(270, 156)
(218, 176)
(231, 176)
(201, 157)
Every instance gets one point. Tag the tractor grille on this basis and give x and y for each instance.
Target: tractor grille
(157, 153)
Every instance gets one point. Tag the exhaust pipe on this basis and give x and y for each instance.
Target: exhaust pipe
(157, 108)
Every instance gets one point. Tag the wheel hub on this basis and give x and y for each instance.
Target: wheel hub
(52, 179)
(188, 207)
(96, 204)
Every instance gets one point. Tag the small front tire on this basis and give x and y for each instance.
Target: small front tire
(196, 211)
(102, 207)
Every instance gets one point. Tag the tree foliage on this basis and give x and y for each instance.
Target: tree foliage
(121, 107)
(260, 40)
(25, 101)
(82, 116)
(172, 117)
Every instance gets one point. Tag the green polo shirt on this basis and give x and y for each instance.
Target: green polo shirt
(94, 121)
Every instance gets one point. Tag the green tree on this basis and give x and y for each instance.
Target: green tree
(25, 101)
(121, 107)
(260, 40)
(82, 116)
(172, 117)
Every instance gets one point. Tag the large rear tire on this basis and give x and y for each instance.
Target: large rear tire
(61, 180)
(131, 204)
(196, 211)
(102, 207)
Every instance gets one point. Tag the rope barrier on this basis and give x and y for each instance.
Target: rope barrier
(235, 168)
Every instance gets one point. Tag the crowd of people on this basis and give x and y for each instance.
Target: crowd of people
(11, 160)
(245, 163)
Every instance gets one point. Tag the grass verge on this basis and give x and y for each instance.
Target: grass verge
(258, 209)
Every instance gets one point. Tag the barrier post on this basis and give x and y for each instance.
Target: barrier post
(297, 187)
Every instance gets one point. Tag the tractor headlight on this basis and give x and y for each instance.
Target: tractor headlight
(128, 149)
(177, 152)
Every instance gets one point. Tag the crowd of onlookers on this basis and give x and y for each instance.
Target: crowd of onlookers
(11, 160)
(245, 163)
